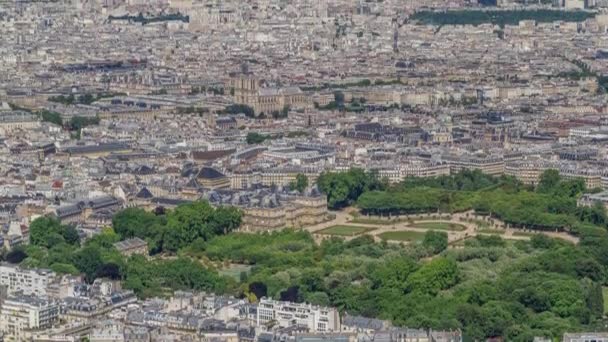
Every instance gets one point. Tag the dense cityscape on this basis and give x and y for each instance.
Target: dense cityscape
(304, 170)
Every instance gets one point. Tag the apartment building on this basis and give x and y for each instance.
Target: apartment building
(488, 165)
(528, 172)
(288, 314)
(21, 314)
(278, 177)
(27, 281)
(592, 178)
(399, 173)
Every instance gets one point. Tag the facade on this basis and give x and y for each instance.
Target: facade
(585, 337)
(401, 172)
(82, 210)
(592, 178)
(247, 91)
(296, 212)
(27, 281)
(288, 314)
(12, 121)
(210, 178)
(490, 165)
(528, 172)
(275, 177)
(24, 313)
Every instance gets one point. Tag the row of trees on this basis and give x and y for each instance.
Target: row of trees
(551, 206)
(211, 89)
(238, 109)
(148, 20)
(192, 110)
(498, 17)
(86, 99)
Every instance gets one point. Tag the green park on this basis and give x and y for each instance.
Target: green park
(485, 285)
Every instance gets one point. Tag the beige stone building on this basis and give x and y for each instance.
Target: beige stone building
(489, 165)
(297, 212)
(247, 90)
(278, 177)
(132, 246)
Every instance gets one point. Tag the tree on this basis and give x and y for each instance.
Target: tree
(435, 242)
(255, 138)
(88, 260)
(196, 220)
(393, 273)
(541, 241)
(109, 270)
(77, 123)
(187, 223)
(292, 294)
(318, 298)
(438, 274)
(106, 239)
(134, 222)
(16, 256)
(339, 97)
(595, 299)
(259, 289)
(48, 231)
(344, 188)
(300, 184)
(238, 109)
(225, 219)
(64, 269)
(52, 117)
(548, 181)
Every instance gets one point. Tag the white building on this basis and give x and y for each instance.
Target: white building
(29, 282)
(107, 331)
(574, 4)
(21, 314)
(582, 132)
(287, 314)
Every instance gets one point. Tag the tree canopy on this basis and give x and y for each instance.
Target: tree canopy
(490, 287)
(344, 188)
(300, 184)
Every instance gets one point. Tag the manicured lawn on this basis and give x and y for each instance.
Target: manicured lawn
(491, 231)
(344, 230)
(380, 222)
(440, 226)
(402, 236)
